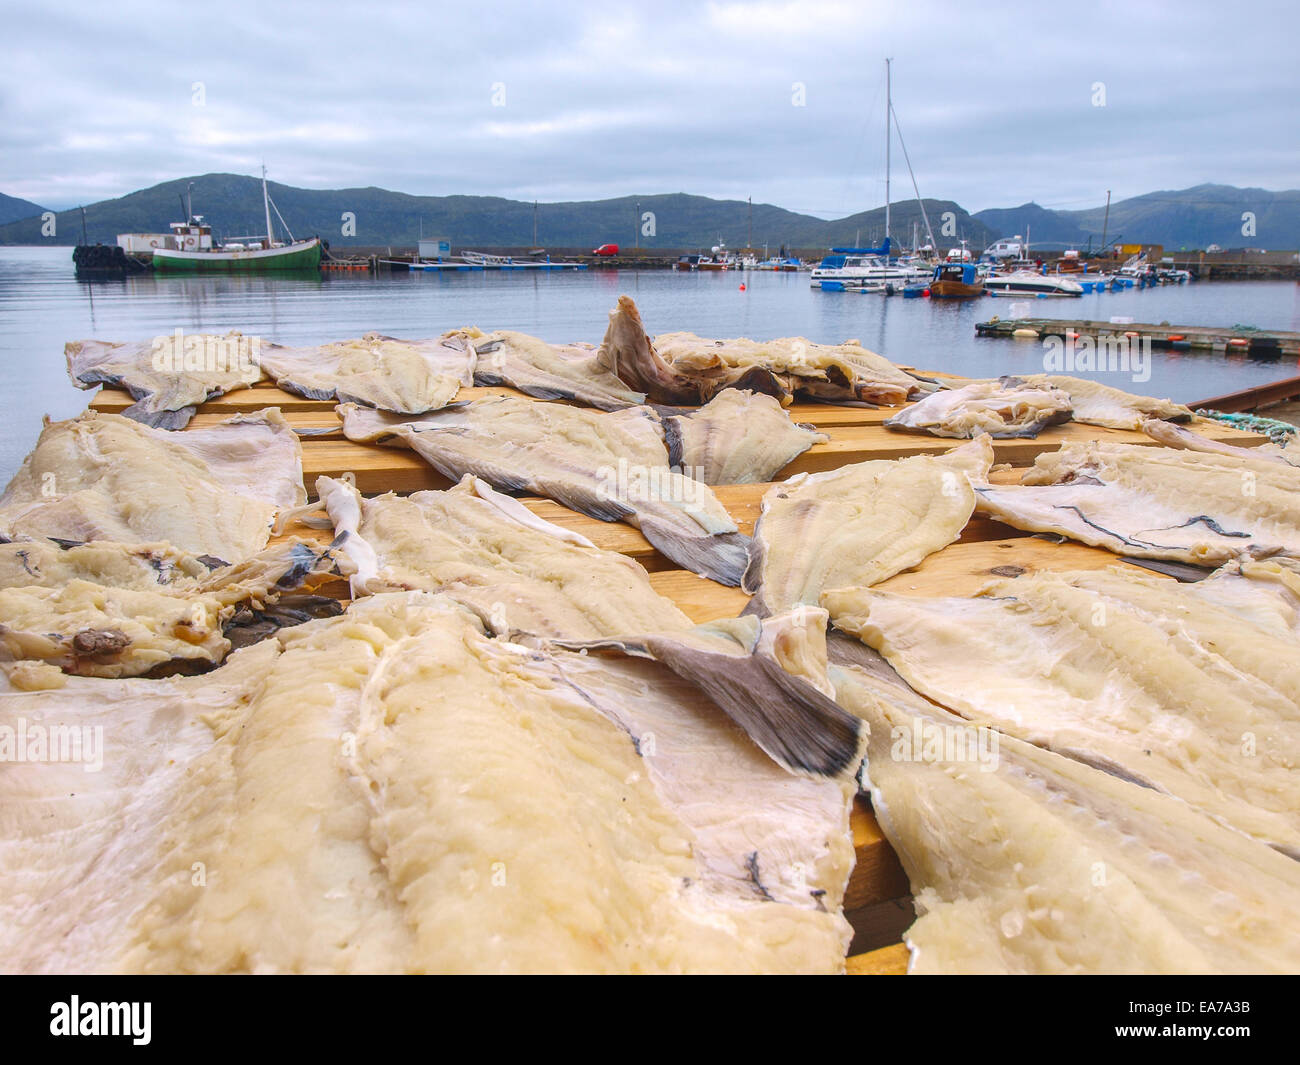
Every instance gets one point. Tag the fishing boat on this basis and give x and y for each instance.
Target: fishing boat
(1029, 283)
(192, 250)
(956, 281)
(721, 259)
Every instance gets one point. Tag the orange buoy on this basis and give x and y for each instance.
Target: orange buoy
(1130, 333)
(742, 287)
(1238, 342)
(1176, 336)
(926, 293)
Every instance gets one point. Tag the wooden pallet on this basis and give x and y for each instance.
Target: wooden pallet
(877, 903)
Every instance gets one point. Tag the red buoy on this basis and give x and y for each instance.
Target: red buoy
(742, 286)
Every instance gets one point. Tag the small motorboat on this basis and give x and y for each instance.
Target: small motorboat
(955, 281)
(1029, 283)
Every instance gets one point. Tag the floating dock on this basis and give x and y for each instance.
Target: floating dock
(1258, 343)
(877, 902)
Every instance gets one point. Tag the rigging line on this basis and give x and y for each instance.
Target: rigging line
(281, 218)
(929, 233)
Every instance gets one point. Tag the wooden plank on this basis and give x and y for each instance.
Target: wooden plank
(877, 875)
(887, 961)
(699, 598)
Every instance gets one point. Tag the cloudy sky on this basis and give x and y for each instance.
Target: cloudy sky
(998, 103)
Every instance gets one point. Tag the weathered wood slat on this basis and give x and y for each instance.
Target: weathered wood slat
(887, 961)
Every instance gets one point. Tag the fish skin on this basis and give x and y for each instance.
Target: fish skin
(166, 399)
(1007, 407)
(576, 457)
(1004, 862)
(1155, 502)
(627, 353)
(1161, 679)
(859, 524)
(769, 676)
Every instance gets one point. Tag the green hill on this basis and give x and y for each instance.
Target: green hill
(12, 209)
(233, 204)
(1182, 218)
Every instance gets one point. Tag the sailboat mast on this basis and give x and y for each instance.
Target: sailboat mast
(266, 203)
(889, 107)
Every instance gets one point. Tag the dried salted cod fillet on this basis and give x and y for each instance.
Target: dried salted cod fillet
(1185, 687)
(328, 802)
(207, 491)
(46, 564)
(682, 368)
(738, 437)
(1003, 408)
(546, 371)
(859, 524)
(518, 573)
(76, 615)
(610, 466)
(403, 376)
(1022, 861)
(168, 383)
(1098, 404)
(1155, 502)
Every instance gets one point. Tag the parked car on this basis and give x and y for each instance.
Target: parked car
(605, 249)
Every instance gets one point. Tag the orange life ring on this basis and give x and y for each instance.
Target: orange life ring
(154, 244)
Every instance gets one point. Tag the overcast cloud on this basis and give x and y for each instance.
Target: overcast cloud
(593, 100)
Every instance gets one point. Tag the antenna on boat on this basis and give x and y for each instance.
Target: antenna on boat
(889, 107)
(266, 204)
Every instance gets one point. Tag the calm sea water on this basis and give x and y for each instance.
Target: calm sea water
(42, 306)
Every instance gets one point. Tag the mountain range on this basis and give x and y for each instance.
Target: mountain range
(1187, 218)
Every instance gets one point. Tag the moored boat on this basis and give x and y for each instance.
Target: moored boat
(1027, 282)
(956, 281)
(192, 251)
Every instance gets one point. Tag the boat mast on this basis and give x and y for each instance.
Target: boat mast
(266, 203)
(889, 106)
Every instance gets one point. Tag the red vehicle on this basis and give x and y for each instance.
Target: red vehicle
(606, 249)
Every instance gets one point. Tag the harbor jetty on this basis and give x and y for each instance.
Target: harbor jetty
(1256, 343)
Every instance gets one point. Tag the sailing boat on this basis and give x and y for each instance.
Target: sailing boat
(257, 257)
(870, 269)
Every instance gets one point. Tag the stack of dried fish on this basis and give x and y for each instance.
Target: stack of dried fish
(328, 802)
(681, 368)
(1024, 406)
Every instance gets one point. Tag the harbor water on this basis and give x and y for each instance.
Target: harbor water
(42, 306)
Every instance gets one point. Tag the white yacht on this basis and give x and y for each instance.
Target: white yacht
(856, 267)
(1029, 282)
